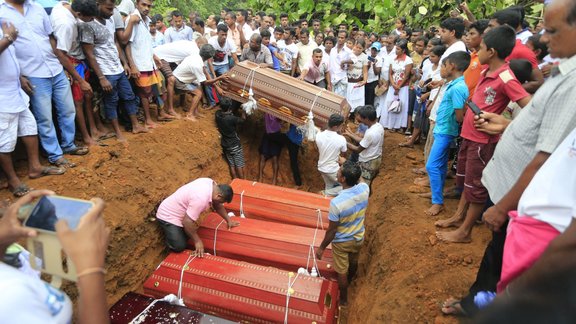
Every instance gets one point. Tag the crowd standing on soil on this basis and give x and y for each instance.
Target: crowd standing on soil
(492, 98)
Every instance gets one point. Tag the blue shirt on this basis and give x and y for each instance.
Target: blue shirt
(349, 208)
(12, 97)
(294, 135)
(275, 60)
(454, 99)
(33, 49)
(173, 35)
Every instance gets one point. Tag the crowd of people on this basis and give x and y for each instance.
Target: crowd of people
(490, 97)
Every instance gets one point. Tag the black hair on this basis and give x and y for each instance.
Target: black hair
(243, 13)
(502, 39)
(153, 21)
(221, 28)
(403, 44)
(283, 15)
(176, 13)
(265, 33)
(304, 31)
(226, 192)
(291, 31)
(343, 31)
(422, 39)
(279, 29)
(522, 69)
(438, 50)
(454, 24)
(408, 31)
(261, 14)
(402, 20)
(351, 171)
(368, 112)
(539, 45)
(198, 21)
(417, 30)
(315, 20)
(207, 51)
(460, 59)
(225, 104)
(257, 38)
(273, 16)
(316, 50)
(301, 21)
(231, 15)
(330, 39)
(480, 25)
(508, 17)
(335, 120)
(435, 41)
(158, 17)
(87, 8)
(217, 19)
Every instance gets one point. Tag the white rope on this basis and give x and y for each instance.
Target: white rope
(316, 98)
(215, 234)
(311, 251)
(250, 74)
(242, 205)
(190, 258)
(288, 294)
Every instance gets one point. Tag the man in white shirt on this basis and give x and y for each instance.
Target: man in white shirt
(305, 48)
(288, 50)
(370, 147)
(339, 54)
(244, 28)
(179, 30)
(225, 49)
(330, 145)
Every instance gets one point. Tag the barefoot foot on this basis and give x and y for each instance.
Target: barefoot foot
(456, 236)
(434, 210)
(450, 222)
(139, 129)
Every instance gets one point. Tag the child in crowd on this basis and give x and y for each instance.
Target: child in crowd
(227, 123)
(450, 114)
(276, 57)
(496, 88)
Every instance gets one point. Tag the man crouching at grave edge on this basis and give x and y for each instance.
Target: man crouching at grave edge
(178, 214)
(346, 229)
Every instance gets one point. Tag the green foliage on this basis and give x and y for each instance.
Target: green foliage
(379, 15)
(203, 7)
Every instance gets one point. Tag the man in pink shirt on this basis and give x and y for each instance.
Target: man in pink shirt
(178, 214)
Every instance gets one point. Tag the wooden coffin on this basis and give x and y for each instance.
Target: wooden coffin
(241, 291)
(278, 204)
(265, 243)
(133, 305)
(283, 96)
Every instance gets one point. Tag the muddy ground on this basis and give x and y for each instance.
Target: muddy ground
(404, 275)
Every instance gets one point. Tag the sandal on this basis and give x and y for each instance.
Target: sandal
(79, 150)
(48, 171)
(64, 163)
(21, 190)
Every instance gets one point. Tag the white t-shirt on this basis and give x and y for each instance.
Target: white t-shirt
(524, 35)
(191, 70)
(290, 53)
(371, 75)
(551, 195)
(426, 70)
(336, 58)
(176, 52)
(330, 145)
(456, 47)
(26, 299)
(372, 143)
(387, 59)
(222, 52)
(142, 44)
(305, 53)
(359, 62)
(65, 30)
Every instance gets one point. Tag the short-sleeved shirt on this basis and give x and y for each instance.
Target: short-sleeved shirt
(493, 93)
(157, 39)
(262, 56)
(176, 52)
(290, 52)
(272, 124)
(358, 64)
(316, 73)
(305, 53)
(458, 46)
(336, 58)
(275, 61)
(372, 143)
(105, 51)
(349, 210)
(454, 98)
(191, 70)
(371, 75)
(172, 34)
(473, 72)
(142, 44)
(330, 144)
(65, 29)
(520, 51)
(33, 48)
(543, 124)
(398, 67)
(227, 123)
(222, 52)
(13, 98)
(126, 6)
(189, 200)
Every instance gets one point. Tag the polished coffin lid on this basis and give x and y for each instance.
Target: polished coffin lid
(134, 305)
(266, 243)
(278, 204)
(242, 291)
(273, 90)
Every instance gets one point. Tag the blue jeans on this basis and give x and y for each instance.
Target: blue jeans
(437, 166)
(221, 69)
(121, 89)
(47, 90)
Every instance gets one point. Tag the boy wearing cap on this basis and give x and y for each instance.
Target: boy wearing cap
(374, 68)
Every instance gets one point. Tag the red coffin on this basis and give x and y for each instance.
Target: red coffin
(241, 291)
(134, 305)
(271, 244)
(278, 204)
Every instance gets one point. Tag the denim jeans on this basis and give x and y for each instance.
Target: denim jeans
(437, 166)
(121, 89)
(221, 69)
(47, 91)
(209, 90)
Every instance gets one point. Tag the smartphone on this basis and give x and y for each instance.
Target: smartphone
(371, 59)
(50, 209)
(474, 107)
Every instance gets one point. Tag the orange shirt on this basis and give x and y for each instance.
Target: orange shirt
(472, 73)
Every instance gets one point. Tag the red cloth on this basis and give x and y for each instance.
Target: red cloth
(526, 240)
(493, 93)
(520, 51)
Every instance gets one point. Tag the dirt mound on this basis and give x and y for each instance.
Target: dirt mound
(404, 275)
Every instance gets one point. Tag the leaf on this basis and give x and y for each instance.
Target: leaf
(379, 9)
(422, 10)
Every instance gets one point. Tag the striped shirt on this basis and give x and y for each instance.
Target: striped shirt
(349, 208)
(540, 127)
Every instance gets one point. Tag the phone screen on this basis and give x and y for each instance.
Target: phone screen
(50, 209)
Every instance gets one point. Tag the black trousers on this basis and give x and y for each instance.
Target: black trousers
(369, 95)
(176, 238)
(293, 150)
